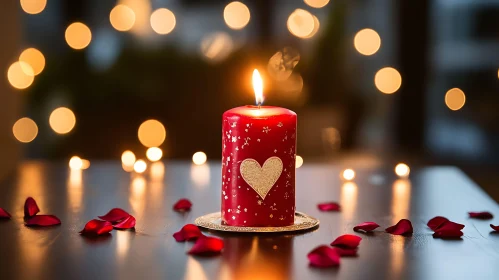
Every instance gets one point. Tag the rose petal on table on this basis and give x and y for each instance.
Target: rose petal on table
(346, 252)
(206, 245)
(481, 215)
(182, 205)
(188, 232)
(115, 215)
(366, 226)
(496, 228)
(97, 227)
(347, 241)
(435, 222)
(324, 256)
(127, 223)
(43, 221)
(4, 214)
(329, 206)
(30, 207)
(448, 233)
(403, 227)
(450, 225)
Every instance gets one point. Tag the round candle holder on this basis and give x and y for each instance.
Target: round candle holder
(213, 221)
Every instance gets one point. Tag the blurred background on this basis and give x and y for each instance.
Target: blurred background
(371, 81)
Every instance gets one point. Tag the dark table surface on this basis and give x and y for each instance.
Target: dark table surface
(151, 252)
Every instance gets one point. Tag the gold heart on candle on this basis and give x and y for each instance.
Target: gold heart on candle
(261, 179)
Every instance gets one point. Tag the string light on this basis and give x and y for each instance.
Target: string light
(367, 41)
(402, 170)
(33, 7)
(388, 80)
(199, 158)
(140, 166)
(20, 75)
(316, 3)
(299, 161)
(78, 35)
(300, 23)
(62, 120)
(128, 159)
(122, 18)
(348, 174)
(163, 21)
(25, 130)
(75, 163)
(34, 58)
(236, 15)
(154, 154)
(455, 99)
(152, 133)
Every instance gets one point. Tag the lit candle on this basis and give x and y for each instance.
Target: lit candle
(258, 164)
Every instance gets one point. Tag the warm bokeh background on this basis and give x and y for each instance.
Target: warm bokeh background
(371, 81)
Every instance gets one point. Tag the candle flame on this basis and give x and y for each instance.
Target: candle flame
(258, 87)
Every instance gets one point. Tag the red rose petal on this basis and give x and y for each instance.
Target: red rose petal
(481, 215)
(97, 227)
(366, 226)
(126, 223)
(115, 215)
(496, 228)
(347, 241)
(324, 256)
(188, 232)
(448, 233)
(206, 245)
(30, 207)
(182, 205)
(4, 214)
(346, 252)
(403, 227)
(43, 221)
(329, 206)
(450, 225)
(435, 222)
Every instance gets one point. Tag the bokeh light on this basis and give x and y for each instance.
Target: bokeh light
(33, 6)
(85, 164)
(402, 170)
(25, 130)
(62, 120)
(236, 15)
(216, 46)
(152, 133)
(348, 174)
(367, 41)
(140, 166)
(122, 18)
(20, 75)
(128, 159)
(301, 23)
(388, 80)
(142, 10)
(199, 158)
(316, 3)
(317, 25)
(34, 58)
(78, 35)
(299, 161)
(154, 154)
(163, 21)
(455, 99)
(75, 163)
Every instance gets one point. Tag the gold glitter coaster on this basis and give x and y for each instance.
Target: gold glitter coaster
(214, 221)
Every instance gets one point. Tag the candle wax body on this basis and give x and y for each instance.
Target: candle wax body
(258, 166)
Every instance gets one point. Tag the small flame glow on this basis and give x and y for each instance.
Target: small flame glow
(258, 87)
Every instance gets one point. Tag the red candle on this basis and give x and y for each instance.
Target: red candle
(258, 164)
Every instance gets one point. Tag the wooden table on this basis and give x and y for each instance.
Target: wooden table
(151, 252)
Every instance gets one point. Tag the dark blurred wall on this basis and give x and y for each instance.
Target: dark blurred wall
(9, 98)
